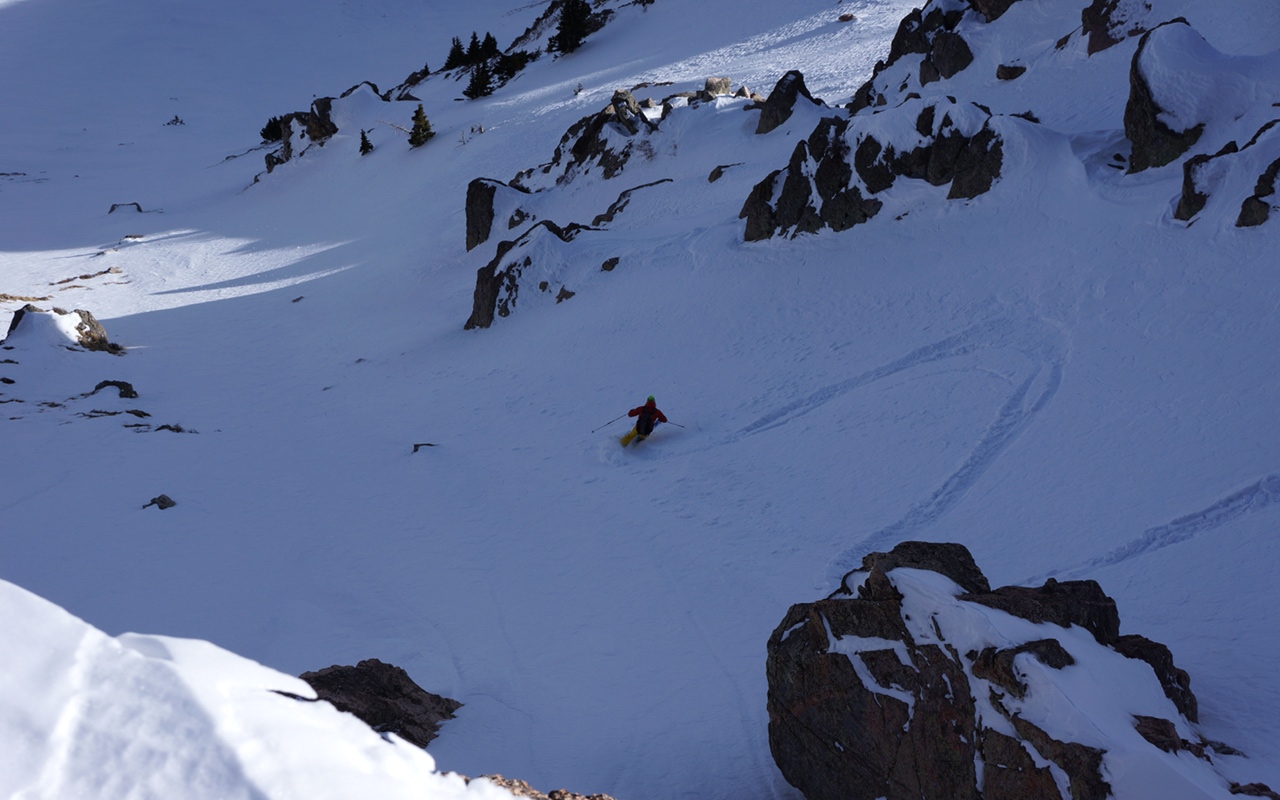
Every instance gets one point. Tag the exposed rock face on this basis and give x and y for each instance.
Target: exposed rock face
(1108, 22)
(833, 176)
(498, 283)
(314, 126)
(1205, 176)
(991, 9)
(781, 102)
(480, 194)
(385, 698)
(1255, 209)
(588, 144)
(1154, 143)
(898, 686)
(89, 333)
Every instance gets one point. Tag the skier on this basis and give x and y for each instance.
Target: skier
(648, 415)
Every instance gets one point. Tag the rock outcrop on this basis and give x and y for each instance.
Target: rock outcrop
(833, 177)
(605, 140)
(916, 680)
(385, 698)
(1106, 23)
(78, 327)
(308, 127)
(781, 102)
(1154, 142)
(535, 259)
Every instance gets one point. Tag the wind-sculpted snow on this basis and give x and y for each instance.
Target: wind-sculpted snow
(86, 715)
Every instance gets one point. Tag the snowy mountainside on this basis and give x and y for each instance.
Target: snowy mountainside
(1057, 372)
(89, 715)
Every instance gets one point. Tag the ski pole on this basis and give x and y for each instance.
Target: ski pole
(677, 424)
(610, 422)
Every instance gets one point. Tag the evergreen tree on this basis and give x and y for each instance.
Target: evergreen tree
(473, 50)
(273, 131)
(366, 146)
(456, 56)
(489, 47)
(481, 83)
(575, 17)
(421, 132)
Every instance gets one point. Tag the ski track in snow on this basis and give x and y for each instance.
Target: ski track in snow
(1034, 338)
(1255, 497)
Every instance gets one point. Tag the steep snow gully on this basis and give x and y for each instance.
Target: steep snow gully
(1011, 284)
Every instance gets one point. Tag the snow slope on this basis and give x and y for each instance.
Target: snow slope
(1056, 374)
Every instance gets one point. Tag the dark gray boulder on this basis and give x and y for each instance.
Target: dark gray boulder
(1104, 24)
(1256, 209)
(1154, 143)
(868, 700)
(385, 698)
(1064, 603)
(315, 126)
(780, 104)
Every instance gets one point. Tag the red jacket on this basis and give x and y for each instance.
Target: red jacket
(653, 409)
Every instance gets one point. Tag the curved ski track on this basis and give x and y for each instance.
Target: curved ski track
(1036, 338)
(1256, 496)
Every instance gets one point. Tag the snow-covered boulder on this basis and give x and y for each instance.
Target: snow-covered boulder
(33, 327)
(915, 680)
(87, 715)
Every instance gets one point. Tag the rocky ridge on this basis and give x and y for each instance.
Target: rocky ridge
(917, 680)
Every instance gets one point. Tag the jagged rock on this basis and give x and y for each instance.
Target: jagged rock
(162, 502)
(1254, 790)
(498, 282)
(997, 665)
(627, 113)
(92, 335)
(953, 560)
(1160, 732)
(1175, 682)
(718, 86)
(125, 389)
(781, 103)
(950, 54)
(522, 789)
(89, 333)
(1154, 143)
(1008, 72)
(314, 126)
(977, 166)
(991, 9)
(1063, 603)
(585, 144)
(838, 205)
(385, 698)
(479, 208)
(870, 697)
(1108, 22)
(962, 149)
(1009, 772)
(1255, 210)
